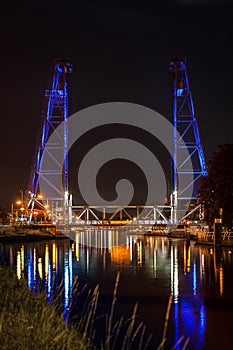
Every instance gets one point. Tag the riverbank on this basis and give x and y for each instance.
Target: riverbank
(28, 322)
(23, 232)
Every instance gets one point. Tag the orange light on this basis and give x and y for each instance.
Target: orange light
(120, 255)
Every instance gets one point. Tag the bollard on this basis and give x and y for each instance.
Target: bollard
(217, 231)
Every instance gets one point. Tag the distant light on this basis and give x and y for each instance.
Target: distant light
(179, 92)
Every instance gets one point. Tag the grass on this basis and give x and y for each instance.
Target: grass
(121, 334)
(28, 322)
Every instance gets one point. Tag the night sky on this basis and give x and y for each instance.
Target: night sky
(121, 52)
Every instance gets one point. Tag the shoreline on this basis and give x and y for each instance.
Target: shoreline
(24, 233)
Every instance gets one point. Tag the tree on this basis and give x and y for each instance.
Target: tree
(4, 216)
(216, 189)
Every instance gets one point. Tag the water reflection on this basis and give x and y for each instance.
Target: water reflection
(151, 268)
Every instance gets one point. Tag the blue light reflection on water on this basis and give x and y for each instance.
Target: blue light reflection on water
(145, 264)
(66, 287)
(194, 277)
(29, 261)
(189, 312)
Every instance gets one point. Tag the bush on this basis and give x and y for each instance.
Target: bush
(28, 322)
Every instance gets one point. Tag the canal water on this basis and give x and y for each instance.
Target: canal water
(200, 279)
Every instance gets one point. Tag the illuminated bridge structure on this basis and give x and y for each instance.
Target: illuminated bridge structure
(55, 151)
(188, 167)
(131, 214)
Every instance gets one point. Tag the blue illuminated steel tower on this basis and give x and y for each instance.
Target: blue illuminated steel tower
(188, 164)
(55, 114)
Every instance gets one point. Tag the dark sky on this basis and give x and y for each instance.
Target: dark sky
(121, 52)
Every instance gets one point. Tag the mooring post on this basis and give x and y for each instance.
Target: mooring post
(217, 232)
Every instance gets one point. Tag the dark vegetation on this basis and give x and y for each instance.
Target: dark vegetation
(216, 189)
(28, 322)
(4, 215)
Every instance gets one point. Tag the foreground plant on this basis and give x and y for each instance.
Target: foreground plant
(28, 322)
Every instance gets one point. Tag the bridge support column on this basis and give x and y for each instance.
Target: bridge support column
(155, 216)
(121, 214)
(86, 214)
(103, 215)
(138, 212)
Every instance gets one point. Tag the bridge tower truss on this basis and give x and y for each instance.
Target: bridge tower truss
(55, 114)
(188, 166)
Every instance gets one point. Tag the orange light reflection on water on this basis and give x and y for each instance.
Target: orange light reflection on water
(120, 255)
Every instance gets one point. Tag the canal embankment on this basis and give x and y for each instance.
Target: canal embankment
(29, 232)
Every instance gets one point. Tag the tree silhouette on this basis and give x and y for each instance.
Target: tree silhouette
(216, 189)
(4, 215)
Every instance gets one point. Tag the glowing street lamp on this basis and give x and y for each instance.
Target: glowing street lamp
(14, 210)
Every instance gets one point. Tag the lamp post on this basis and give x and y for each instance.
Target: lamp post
(19, 202)
(12, 213)
(14, 210)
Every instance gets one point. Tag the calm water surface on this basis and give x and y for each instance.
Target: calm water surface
(151, 268)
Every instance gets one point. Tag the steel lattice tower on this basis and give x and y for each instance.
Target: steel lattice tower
(56, 113)
(189, 166)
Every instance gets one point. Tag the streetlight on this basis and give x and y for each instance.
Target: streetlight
(22, 208)
(14, 210)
